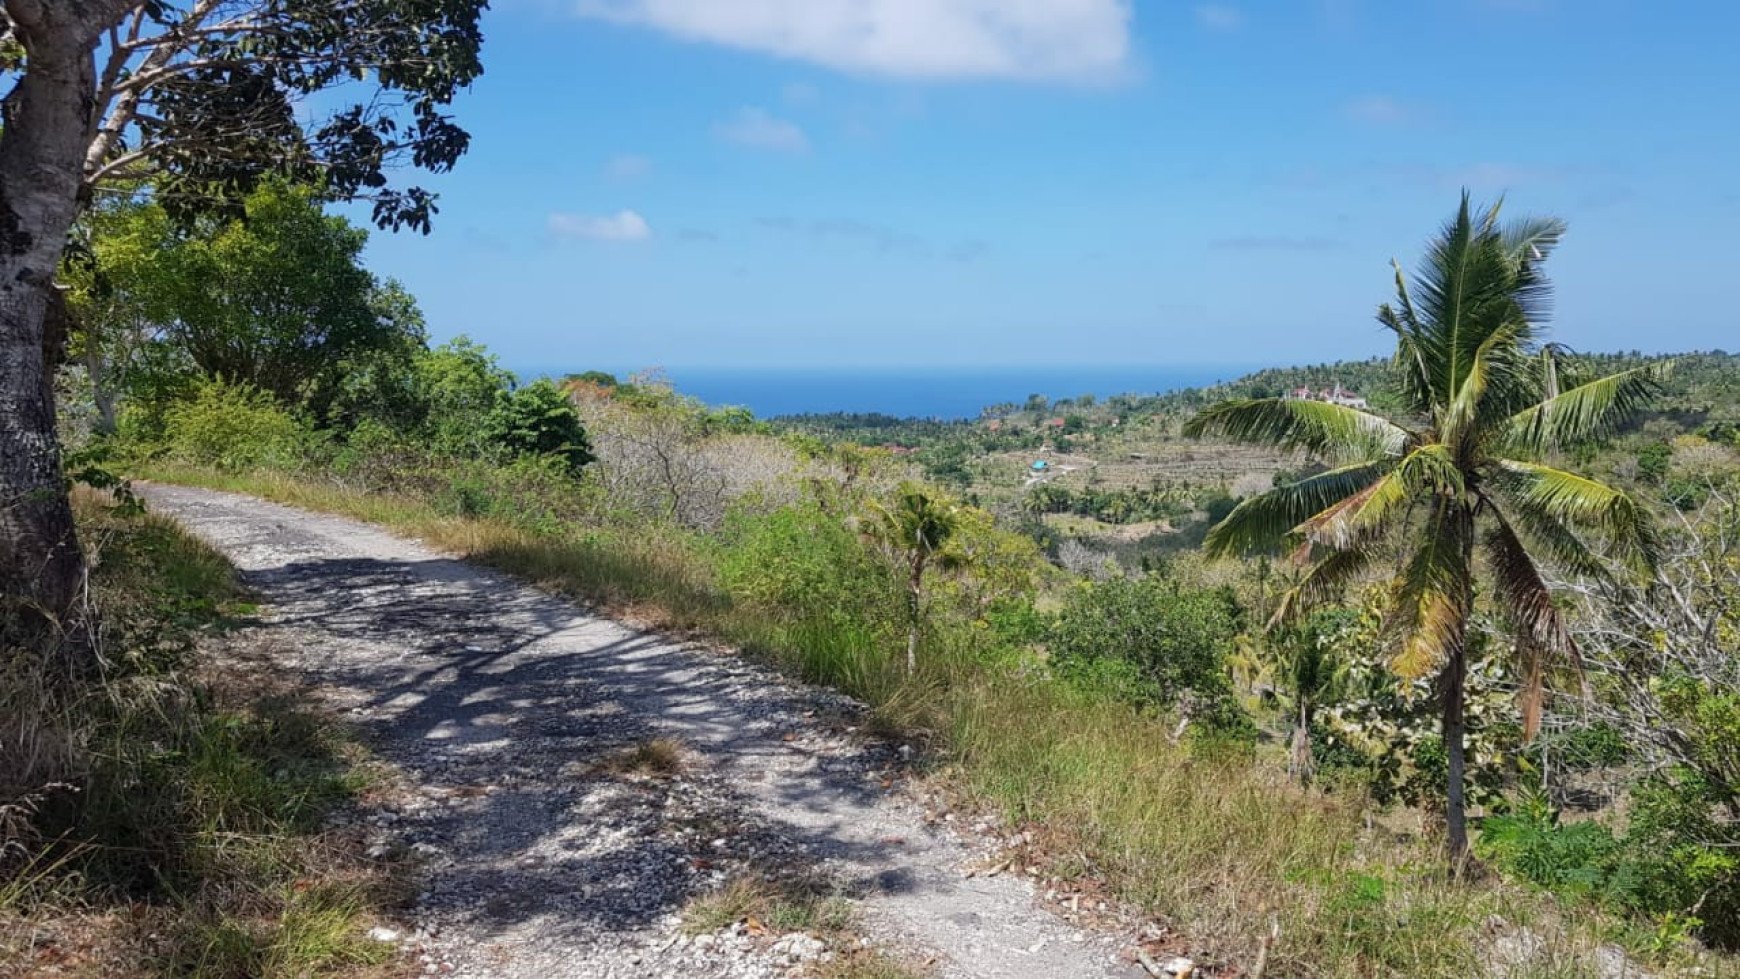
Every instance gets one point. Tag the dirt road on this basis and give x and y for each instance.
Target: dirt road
(497, 702)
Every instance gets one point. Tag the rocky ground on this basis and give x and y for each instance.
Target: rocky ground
(570, 785)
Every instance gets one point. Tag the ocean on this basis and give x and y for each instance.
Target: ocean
(929, 392)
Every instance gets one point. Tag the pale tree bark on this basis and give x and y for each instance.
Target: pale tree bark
(42, 149)
(1453, 683)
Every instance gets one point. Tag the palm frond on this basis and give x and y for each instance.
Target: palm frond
(1328, 430)
(1497, 364)
(1544, 534)
(1472, 282)
(1528, 604)
(1531, 241)
(1410, 359)
(1322, 583)
(1432, 600)
(1263, 521)
(1590, 411)
(1573, 499)
(1371, 511)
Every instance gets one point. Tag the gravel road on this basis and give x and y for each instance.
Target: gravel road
(498, 702)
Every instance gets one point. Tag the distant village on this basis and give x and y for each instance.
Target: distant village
(1336, 396)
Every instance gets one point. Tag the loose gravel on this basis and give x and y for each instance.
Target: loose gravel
(502, 708)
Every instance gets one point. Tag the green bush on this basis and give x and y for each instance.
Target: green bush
(803, 562)
(233, 427)
(538, 420)
(1150, 636)
(537, 493)
(1675, 863)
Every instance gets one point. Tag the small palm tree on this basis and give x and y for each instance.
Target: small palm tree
(916, 529)
(1487, 398)
(1313, 673)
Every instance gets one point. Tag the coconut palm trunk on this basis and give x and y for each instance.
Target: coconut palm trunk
(1456, 490)
(1301, 766)
(915, 610)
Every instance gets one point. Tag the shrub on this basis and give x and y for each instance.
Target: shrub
(802, 562)
(538, 420)
(234, 427)
(1150, 636)
(1675, 863)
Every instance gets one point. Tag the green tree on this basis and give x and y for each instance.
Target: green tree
(539, 420)
(1484, 392)
(202, 98)
(114, 285)
(1310, 667)
(1170, 640)
(458, 386)
(916, 529)
(275, 297)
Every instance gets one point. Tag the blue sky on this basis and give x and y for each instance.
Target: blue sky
(1020, 182)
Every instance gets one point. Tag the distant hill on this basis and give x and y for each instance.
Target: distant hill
(1702, 390)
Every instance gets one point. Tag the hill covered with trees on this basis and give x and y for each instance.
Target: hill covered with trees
(1248, 741)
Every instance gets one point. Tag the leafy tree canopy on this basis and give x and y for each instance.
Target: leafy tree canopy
(276, 297)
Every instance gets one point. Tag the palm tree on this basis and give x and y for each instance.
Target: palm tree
(1487, 398)
(1313, 673)
(916, 529)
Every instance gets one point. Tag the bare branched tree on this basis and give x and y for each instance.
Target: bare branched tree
(1644, 640)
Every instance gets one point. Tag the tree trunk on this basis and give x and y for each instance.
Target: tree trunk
(103, 391)
(1455, 814)
(1453, 687)
(1301, 765)
(915, 611)
(41, 154)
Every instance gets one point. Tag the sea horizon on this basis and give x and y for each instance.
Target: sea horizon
(948, 393)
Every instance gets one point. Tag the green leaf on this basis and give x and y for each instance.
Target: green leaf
(1584, 413)
(1570, 498)
(1263, 521)
(1329, 430)
(1432, 602)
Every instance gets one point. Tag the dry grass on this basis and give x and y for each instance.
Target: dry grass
(199, 845)
(653, 758)
(779, 904)
(1214, 847)
(870, 963)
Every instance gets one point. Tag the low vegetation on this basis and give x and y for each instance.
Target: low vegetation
(170, 818)
(1264, 787)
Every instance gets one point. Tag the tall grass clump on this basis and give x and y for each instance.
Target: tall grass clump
(193, 793)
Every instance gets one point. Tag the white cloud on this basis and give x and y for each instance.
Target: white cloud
(1043, 39)
(627, 166)
(621, 226)
(1381, 110)
(754, 126)
(1220, 17)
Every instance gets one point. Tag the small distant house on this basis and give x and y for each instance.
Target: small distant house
(1337, 395)
(995, 425)
(1345, 398)
(1055, 423)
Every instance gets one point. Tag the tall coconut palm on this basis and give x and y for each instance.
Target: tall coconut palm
(1459, 491)
(916, 529)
